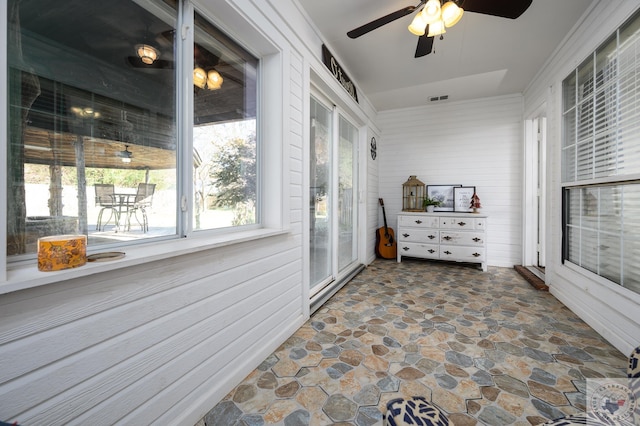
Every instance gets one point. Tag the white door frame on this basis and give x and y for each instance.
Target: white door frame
(534, 191)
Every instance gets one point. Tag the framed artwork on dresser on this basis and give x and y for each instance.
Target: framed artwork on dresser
(462, 198)
(444, 194)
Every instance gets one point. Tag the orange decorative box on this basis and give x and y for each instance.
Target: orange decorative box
(61, 252)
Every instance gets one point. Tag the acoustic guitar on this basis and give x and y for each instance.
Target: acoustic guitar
(385, 242)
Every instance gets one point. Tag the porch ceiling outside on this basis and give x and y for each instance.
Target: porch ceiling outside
(45, 147)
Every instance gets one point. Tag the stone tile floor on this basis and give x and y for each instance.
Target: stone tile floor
(485, 347)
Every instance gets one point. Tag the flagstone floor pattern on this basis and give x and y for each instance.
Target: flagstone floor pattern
(485, 347)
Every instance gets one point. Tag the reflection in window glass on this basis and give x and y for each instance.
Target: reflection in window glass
(320, 200)
(224, 134)
(91, 102)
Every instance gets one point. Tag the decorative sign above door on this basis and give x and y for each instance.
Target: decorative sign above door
(338, 72)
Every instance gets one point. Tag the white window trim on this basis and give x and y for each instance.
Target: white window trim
(26, 275)
(273, 200)
(4, 124)
(592, 277)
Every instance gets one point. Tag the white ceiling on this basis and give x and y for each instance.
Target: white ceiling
(480, 56)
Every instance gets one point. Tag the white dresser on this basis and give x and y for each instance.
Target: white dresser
(460, 237)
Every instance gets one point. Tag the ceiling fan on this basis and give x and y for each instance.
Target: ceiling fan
(511, 9)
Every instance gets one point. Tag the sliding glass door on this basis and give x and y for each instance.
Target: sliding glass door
(320, 201)
(347, 206)
(333, 195)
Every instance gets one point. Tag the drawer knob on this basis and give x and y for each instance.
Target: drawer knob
(431, 251)
(405, 248)
(405, 235)
(418, 222)
(476, 239)
(446, 238)
(431, 237)
(476, 255)
(462, 223)
(447, 252)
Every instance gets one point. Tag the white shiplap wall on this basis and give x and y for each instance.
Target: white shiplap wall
(477, 143)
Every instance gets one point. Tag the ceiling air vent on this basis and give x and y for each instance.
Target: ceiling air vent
(438, 98)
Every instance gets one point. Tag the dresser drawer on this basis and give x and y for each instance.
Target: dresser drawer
(462, 238)
(418, 235)
(418, 221)
(429, 251)
(462, 254)
(462, 223)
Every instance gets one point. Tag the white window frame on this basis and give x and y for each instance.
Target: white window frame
(577, 183)
(272, 188)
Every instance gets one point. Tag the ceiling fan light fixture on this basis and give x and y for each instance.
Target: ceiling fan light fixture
(199, 77)
(431, 11)
(86, 112)
(418, 25)
(214, 80)
(436, 28)
(451, 14)
(147, 54)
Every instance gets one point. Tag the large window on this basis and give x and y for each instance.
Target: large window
(601, 160)
(95, 144)
(224, 133)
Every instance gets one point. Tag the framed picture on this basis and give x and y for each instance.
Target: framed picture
(462, 198)
(444, 194)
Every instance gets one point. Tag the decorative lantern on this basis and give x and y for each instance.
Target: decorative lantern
(413, 193)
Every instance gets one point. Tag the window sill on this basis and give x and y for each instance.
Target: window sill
(26, 274)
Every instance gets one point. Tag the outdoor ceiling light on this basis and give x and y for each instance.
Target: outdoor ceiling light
(211, 80)
(125, 155)
(86, 112)
(147, 54)
(199, 77)
(214, 80)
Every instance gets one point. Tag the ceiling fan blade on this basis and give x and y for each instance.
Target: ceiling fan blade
(502, 8)
(381, 21)
(425, 46)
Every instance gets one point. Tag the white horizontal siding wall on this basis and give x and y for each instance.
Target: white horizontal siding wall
(608, 308)
(133, 343)
(476, 143)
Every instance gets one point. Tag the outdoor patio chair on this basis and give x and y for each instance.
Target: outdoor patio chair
(139, 204)
(106, 200)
